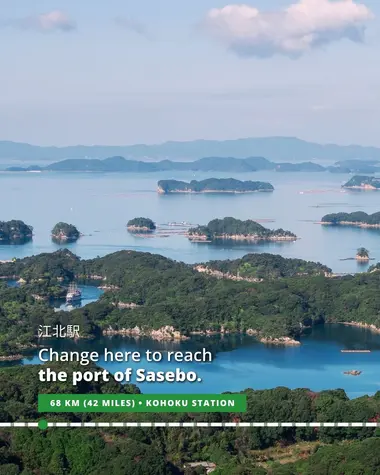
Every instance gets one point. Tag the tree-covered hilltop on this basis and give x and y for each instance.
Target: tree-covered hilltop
(171, 451)
(15, 231)
(165, 293)
(264, 266)
(358, 218)
(363, 182)
(141, 224)
(212, 185)
(232, 228)
(65, 232)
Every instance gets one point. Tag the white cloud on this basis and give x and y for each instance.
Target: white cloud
(52, 21)
(293, 31)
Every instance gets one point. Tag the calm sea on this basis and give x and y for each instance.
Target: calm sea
(241, 362)
(100, 206)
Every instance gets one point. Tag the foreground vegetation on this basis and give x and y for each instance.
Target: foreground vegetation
(150, 292)
(165, 451)
(267, 266)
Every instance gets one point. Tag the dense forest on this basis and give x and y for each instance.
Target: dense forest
(65, 232)
(223, 185)
(359, 181)
(141, 224)
(357, 218)
(165, 451)
(15, 232)
(267, 266)
(169, 293)
(235, 228)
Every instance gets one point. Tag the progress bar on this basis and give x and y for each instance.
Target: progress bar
(43, 424)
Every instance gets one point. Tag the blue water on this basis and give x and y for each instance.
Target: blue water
(89, 294)
(100, 205)
(242, 362)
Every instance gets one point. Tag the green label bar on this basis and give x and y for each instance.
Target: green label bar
(142, 403)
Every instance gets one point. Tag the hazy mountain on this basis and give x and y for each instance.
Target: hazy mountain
(207, 164)
(273, 148)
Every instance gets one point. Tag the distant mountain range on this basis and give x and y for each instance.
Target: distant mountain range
(207, 164)
(273, 148)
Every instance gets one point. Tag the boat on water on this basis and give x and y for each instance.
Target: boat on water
(353, 372)
(74, 294)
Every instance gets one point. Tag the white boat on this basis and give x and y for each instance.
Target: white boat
(73, 294)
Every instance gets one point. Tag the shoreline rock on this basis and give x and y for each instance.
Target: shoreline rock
(285, 340)
(241, 237)
(368, 326)
(360, 187)
(362, 258)
(143, 229)
(220, 275)
(188, 191)
(11, 358)
(166, 333)
(349, 223)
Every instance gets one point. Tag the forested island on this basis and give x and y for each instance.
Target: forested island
(178, 451)
(154, 296)
(362, 254)
(212, 185)
(358, 218)
(141, 225)
(64, 232)
(15, 232)
(235, 229)
(363, 183)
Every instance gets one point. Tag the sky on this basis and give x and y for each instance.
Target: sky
(121, 72)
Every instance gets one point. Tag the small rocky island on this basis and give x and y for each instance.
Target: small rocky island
(144, 225)
(15, 232)
(235, 229)
(358, 218)
(362, 254)
(212, 185)
(63, 232)
(362, 182)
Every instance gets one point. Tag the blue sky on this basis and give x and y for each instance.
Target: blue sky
(147, 71)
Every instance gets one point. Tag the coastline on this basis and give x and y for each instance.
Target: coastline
(236, 192)
(241, 237)
(144, 229)
(168, 333)
(361, 187)
(368, 326)
(349, 223)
